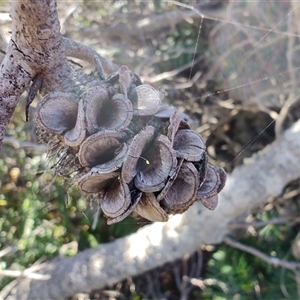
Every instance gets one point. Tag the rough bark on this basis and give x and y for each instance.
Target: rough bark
(265, 175)
(34, 48)
(37, 47)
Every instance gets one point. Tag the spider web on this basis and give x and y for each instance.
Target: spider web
(253, 49)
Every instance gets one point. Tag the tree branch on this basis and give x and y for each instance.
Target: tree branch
(29, 52)
(265, 175)
(37, 48)
(290, 265)
(83, 52)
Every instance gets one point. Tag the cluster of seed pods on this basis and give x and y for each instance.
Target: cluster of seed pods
(127, 150)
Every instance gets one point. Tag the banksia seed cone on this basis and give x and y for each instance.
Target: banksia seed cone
(128, 150)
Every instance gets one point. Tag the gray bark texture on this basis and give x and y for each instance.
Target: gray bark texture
(249, 186)
(36, 48)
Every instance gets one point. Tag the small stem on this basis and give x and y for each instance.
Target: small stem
(294, 266)
(80, 51)
(146, 160)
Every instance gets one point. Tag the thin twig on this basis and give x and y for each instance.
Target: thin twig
(291, 265)
(187, 85)
(297, 275)
(191, 268)
(80, 51)
(292, 98)
(15, 274)
(210, 281)
(8, 250)
(17, 144)
(291, 194)
(261, 223)
(172, 73)
(282, 284)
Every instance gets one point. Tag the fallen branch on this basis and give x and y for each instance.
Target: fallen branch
(265, 175)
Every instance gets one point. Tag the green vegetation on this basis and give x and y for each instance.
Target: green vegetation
(38, 215)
